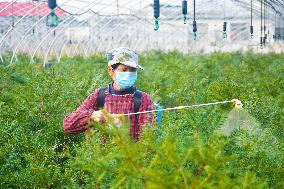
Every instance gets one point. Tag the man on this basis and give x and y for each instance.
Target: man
(120, 97)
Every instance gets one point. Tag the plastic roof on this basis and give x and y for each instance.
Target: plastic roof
(90, 26)
(23, 8)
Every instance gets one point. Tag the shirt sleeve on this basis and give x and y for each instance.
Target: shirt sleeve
(78, 120)
(146, 105)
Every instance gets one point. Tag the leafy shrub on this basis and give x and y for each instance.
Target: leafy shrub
(185, 151)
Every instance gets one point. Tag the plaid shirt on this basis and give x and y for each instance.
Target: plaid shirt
(121, 102)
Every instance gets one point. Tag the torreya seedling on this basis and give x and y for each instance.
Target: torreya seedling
(191, 148)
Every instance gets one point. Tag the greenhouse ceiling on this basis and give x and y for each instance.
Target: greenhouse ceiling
(85, 27)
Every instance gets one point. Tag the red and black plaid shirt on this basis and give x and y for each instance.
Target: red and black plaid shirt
(116, 102)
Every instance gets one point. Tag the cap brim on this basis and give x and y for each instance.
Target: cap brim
(110, 63)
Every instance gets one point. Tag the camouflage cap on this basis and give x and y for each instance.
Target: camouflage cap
(124, 56)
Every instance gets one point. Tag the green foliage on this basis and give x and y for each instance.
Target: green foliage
(185, 151)
(162, 163)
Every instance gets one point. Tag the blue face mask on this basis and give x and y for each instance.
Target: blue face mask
(125, 79)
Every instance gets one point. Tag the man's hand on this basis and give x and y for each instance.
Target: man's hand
(98, 116)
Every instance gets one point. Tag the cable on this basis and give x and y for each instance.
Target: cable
(251, 12)
(33, 31)
(105, 15)
(156, 7)
(267, 19)
(194, 22)
(13, 22)
(72, 14)
(264, 28)
(225, 22)
(184, 10)
(261, 41)
(251, 26)
(275, 23)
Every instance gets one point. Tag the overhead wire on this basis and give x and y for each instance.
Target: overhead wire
(261, 24)
(251, 15)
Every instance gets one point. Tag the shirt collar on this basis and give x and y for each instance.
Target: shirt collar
(129, 90)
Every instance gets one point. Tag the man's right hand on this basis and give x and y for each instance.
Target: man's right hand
(98, 116)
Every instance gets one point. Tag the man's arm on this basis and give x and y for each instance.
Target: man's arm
(78, 121)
